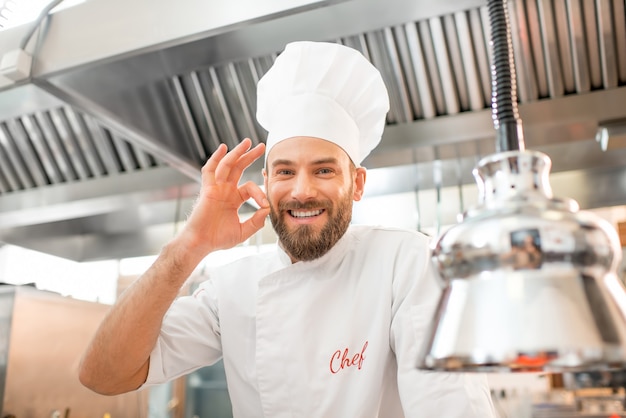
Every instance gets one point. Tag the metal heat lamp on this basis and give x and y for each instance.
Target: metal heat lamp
(530, 281)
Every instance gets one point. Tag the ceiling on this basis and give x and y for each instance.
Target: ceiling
(100, 148)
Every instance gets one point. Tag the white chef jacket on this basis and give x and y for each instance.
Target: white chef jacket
(338, 336)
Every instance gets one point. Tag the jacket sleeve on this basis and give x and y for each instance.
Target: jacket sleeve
(190, 336)
(416, 293)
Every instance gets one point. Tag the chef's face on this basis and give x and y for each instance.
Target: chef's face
(310, 184)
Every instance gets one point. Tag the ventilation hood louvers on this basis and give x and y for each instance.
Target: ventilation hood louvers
(161, 111)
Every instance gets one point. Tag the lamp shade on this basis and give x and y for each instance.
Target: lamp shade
(531, 282)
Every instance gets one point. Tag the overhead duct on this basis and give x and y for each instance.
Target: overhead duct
(96, 146)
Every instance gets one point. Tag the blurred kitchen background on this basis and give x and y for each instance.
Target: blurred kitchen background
(108, 108)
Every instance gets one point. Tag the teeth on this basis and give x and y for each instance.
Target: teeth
(305, 214)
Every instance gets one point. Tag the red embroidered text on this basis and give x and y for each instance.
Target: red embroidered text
(343, 359)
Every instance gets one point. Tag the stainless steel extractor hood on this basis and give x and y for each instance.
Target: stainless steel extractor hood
(101, 146)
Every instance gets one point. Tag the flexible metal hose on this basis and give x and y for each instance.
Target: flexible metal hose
(506, 119)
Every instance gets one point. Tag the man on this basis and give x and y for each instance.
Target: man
(331, 324)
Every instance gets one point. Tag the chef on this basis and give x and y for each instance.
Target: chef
(331, 323)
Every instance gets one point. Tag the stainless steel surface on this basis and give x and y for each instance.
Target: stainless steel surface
(531, 282)
(108, 104)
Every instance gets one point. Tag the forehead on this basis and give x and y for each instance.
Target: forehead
(303, 149)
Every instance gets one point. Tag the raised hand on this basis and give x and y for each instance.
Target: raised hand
(214, 222)
(118, 358)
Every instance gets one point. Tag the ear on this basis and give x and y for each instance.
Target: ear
(264, 171)
(359, 183)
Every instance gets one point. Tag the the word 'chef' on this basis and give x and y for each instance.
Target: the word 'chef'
(343, 359)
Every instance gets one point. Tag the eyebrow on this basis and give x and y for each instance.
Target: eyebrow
(329, 160)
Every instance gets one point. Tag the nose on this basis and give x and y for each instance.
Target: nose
(303, 187)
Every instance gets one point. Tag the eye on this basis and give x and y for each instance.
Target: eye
(325, 171)
(284, 172)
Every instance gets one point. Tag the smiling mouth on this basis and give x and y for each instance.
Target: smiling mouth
(301, 214)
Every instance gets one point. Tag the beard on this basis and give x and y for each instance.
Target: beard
(304, 243)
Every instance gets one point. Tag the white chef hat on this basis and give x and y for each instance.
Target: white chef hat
(327, 91)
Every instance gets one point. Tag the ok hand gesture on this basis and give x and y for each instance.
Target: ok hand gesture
(214, 222)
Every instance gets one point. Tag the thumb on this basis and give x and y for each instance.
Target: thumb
(254, 223)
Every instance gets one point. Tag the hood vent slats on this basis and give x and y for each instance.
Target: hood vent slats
(61, 146)
(434, 67)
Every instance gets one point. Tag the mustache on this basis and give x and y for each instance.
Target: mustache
(312, 204)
